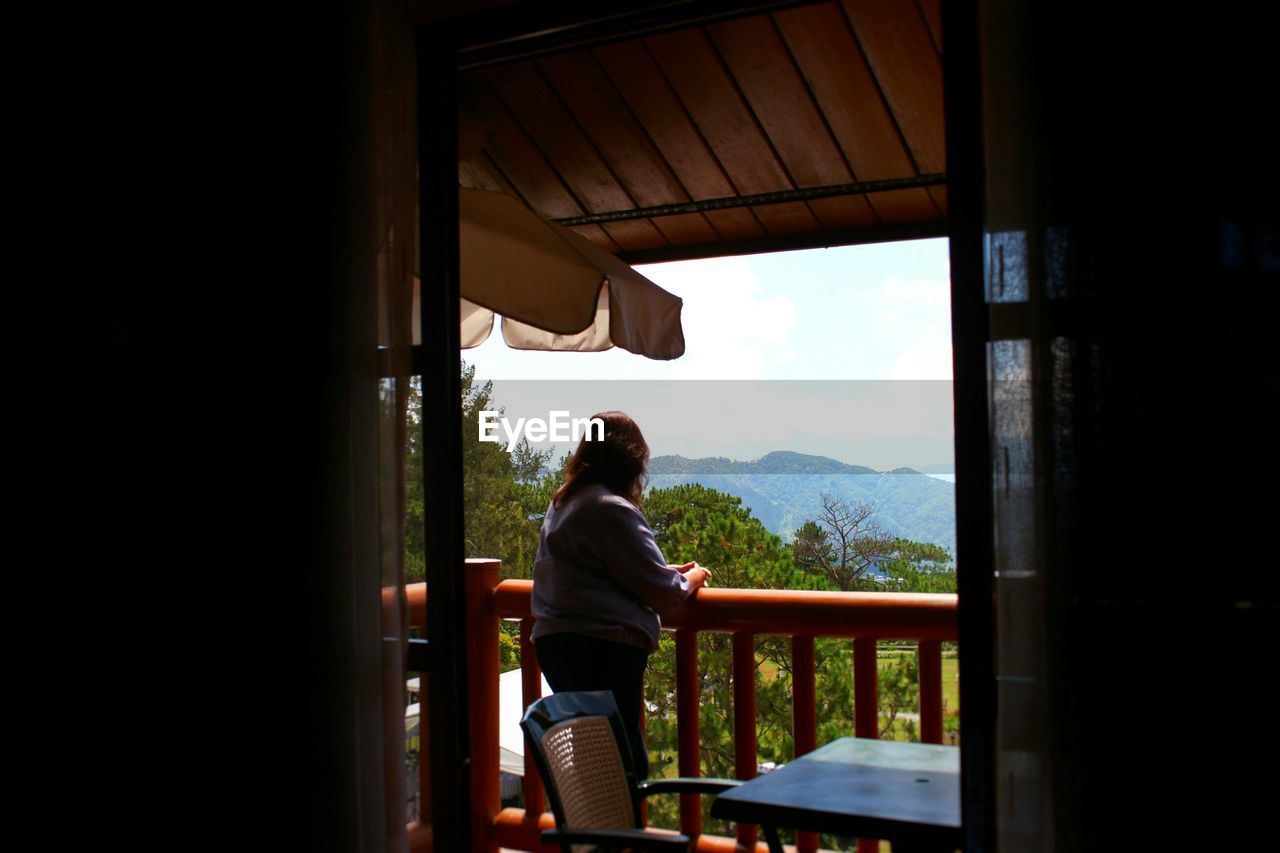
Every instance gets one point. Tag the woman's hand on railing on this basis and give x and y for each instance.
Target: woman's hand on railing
(699, 576)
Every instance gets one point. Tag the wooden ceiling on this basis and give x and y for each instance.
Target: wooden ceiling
(812, 125)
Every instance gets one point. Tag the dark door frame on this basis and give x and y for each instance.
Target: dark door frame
(524, 29)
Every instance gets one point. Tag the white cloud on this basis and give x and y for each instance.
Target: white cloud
(908, 327)
(732, 331)
(925, 358)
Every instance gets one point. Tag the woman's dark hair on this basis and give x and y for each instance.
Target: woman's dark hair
(619, 462)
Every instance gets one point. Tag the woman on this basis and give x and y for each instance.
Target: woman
(600, 582)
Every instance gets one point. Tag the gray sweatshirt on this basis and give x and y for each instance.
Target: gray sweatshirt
(599, 572)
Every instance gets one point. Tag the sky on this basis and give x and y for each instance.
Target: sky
(879, 311)
(818, 351)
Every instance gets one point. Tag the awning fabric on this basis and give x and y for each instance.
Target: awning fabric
(554, 289)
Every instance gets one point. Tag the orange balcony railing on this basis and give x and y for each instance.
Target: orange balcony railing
(864, 617)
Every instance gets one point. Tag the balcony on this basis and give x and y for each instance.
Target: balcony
(803, 616)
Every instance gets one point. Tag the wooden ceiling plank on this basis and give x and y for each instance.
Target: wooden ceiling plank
(898, 206)
(639, 80)
(596, 235)
(511, 151)
(844, 212)
(735, 224)
(769, 80)
(686, 228)
(690, 63)
(475, 173)
(613, 129)
(481, 172)
(632, 234)
(534, 104)
(932, 11)
(845, 89)
(787, 218)
(939, 196)
(896, 41)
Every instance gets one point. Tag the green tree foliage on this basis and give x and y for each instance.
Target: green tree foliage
(848, 550)
(509, 648)
(414, 510)
(897, 686)
(505, 495)
(905, 575)
(693, 522)
(843, 545)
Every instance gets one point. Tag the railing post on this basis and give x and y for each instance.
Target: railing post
(416, 595)
(688, 705)
(744, 720)
(929, 666)
(482, 694)
(531, 688)
(420, 830)
(866, 721)
(804, 715)
(644, 731)
(424, 820)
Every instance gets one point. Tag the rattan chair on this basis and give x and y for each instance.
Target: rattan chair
(581, 749)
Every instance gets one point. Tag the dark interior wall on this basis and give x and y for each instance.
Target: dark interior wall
(1133, 210)
(241, 435)
(338, 668)
(343, 677)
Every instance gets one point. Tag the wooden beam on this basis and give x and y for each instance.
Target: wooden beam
(789, 242)
(802, 194)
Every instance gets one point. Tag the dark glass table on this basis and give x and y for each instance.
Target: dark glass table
(906, 793)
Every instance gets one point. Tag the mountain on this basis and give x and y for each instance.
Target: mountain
(783, 489)
(777, 462)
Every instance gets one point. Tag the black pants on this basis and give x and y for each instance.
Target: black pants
(578, 662)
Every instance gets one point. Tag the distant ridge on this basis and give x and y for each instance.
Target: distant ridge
(777, 462)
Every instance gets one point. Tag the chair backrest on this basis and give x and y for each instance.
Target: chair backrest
(581, 749)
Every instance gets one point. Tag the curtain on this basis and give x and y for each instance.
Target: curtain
(1132, 284)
